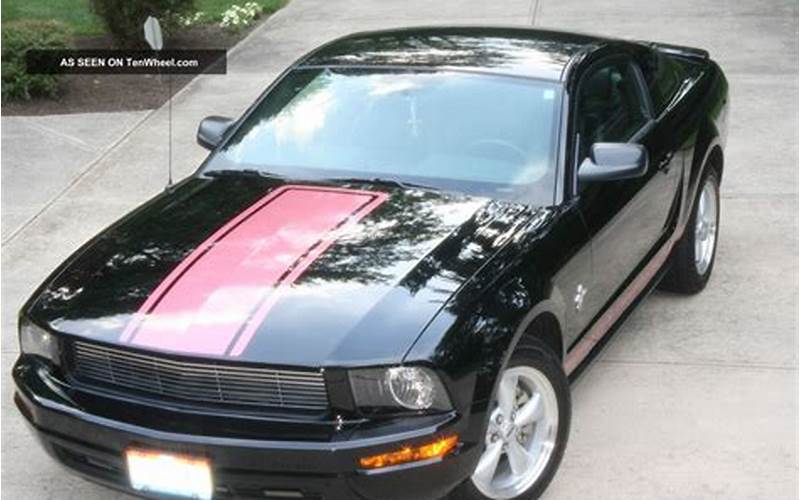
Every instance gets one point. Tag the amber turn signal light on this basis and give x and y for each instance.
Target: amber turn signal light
(437, 449)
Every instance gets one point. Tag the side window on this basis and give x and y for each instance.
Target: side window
(663, 77)
(610, 105)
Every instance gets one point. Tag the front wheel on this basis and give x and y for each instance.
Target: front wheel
(527, 430)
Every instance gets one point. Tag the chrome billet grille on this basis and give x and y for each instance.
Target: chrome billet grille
(208, 382)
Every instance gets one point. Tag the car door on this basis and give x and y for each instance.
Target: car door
(626, 219)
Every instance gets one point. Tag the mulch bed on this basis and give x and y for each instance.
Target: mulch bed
(104, 93)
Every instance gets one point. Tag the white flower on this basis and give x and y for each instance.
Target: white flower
(190, 19)
(240, 15)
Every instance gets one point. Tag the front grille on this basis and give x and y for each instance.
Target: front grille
(207, 382)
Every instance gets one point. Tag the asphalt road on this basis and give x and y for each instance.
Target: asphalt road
(693, 398)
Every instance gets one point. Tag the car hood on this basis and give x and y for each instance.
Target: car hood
(257, 270)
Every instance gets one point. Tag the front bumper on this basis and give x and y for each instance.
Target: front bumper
(92, 444)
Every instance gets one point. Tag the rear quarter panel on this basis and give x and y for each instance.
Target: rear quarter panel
(699, 114)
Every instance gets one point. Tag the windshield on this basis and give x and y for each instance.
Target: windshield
(480, 134)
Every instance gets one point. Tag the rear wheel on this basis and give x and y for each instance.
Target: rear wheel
(527, 430)
(693, 260)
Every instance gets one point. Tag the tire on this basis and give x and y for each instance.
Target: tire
(685, 274)
(532, 359)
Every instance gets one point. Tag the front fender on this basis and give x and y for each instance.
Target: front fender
(472, 337)
(475, 341)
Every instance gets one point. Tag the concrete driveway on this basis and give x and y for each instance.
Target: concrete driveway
(693, 398)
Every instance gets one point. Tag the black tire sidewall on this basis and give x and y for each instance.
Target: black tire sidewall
(682, 275)
(710, 174)
(542, 359)
(694, 281)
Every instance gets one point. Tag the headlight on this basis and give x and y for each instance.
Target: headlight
(402, 387)
(36, 341)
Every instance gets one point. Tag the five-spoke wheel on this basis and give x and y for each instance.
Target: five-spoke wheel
(705, 227)
(526, 429)
(693, 258)
(520, 436)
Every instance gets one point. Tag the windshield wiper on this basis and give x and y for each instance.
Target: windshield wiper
(381, 181)
(246, 172)
(384, 181)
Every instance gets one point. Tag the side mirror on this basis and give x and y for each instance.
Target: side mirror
(211, 131)
(612, 161)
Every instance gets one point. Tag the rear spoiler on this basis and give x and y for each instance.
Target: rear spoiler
(691, 53)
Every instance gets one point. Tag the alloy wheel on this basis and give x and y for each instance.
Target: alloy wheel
(705, 230)
(521, 435)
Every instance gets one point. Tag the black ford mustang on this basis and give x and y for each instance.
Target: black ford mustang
(380, 281)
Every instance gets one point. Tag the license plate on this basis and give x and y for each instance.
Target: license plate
(169, 474)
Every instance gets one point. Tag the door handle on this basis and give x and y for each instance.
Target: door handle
(664, 163)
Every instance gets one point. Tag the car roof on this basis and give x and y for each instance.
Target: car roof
(515, 51)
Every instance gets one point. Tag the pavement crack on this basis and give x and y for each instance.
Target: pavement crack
(60, 135)
(533, 11)
(758, 196)
(89, 168)
(711, 363)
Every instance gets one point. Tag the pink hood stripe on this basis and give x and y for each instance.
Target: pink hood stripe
(214, 301)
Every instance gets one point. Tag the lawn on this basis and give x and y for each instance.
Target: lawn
(77, 15)
(74, 13)
(215, 8)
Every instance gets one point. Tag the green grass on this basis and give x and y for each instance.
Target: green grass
(77, 15)
(74, 13)
(213, 9)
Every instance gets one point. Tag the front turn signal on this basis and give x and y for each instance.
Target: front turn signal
(436, 449)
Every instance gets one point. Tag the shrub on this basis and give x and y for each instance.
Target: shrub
(20, 36)
(125, 18)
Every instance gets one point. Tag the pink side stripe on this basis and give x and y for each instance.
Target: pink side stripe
(224, 289)
(603, 325)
